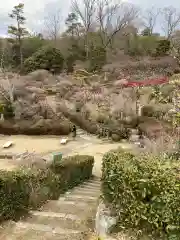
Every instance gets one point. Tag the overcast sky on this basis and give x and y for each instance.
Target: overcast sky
(35, 11)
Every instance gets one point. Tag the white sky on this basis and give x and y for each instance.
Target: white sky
(35, 11)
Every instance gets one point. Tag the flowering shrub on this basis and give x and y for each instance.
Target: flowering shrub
(147, 82)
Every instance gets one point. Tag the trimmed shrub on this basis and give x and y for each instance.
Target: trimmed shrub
(73, 170)
(43, 127)
(144, 191)
(147, 111)
(163, 47)
(150, 126)
(29, 188)
(70, 62)
(77, 118)
(18, 189)
(7, 109)
(47, 58)
(115, 137)
(140, 45)
(97, 58)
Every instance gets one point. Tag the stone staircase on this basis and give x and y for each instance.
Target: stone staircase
(69, 217)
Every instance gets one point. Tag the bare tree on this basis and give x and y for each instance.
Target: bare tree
(53, 25)
(150, 18)
(85, 11)
(171, 20)
(113, 17)
(107, 16)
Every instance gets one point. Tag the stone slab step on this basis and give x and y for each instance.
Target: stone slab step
(69, 207)
(51, 219)
(92, 184)
(28, 231)
(88, 189)
(85, 192)
(80, 197)
(92, 187)
(6, 228)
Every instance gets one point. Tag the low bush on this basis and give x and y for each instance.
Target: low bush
(115, 137)
(23, 189)
(163, 47)
(44, 127)
(73, 170)
(141, 45)
(97, 58)
(143, 191)
(8, 110)
(29, 188)
(150, 127)
(147, 111)
(47, 58)
(77, 118)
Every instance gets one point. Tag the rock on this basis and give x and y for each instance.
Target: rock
(104, 221)
(39, 75)
(134, 138)
(35, 90)
(116, 137)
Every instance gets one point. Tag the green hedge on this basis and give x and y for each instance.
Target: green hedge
(24, 189)
(143, 191)
(40, 128)
(29, 188)
(47, 57)
(73, 170)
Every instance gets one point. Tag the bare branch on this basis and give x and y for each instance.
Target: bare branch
(109, 16)
(7, 89)
(6, 85)
(119, 16)
(150, 18)
(85, 12)
(171, 20)
(53, 25)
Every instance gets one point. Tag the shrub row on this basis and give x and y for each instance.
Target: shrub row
(143, 191)
(114, 131)
(76, 118)
(26, 127)
(28, 188)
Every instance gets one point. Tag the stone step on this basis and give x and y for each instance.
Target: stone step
(68, 207)
(53, 219)
(92, 184)
(88, 188)
(89, 185)
(6, 228)
(31, 231)
(85, 192)
(80, 197)
(63, 219)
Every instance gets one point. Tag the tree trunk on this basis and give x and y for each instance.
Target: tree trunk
(21, 54)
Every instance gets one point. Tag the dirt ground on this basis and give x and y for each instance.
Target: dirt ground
(47, 144)
(39, 144)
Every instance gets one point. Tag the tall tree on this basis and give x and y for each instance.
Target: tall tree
(113, 17)
(171, 20)
(18, 31)
(85, 11)
(74, 27)
(106, 17)
(150, 18)
(53, 25)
